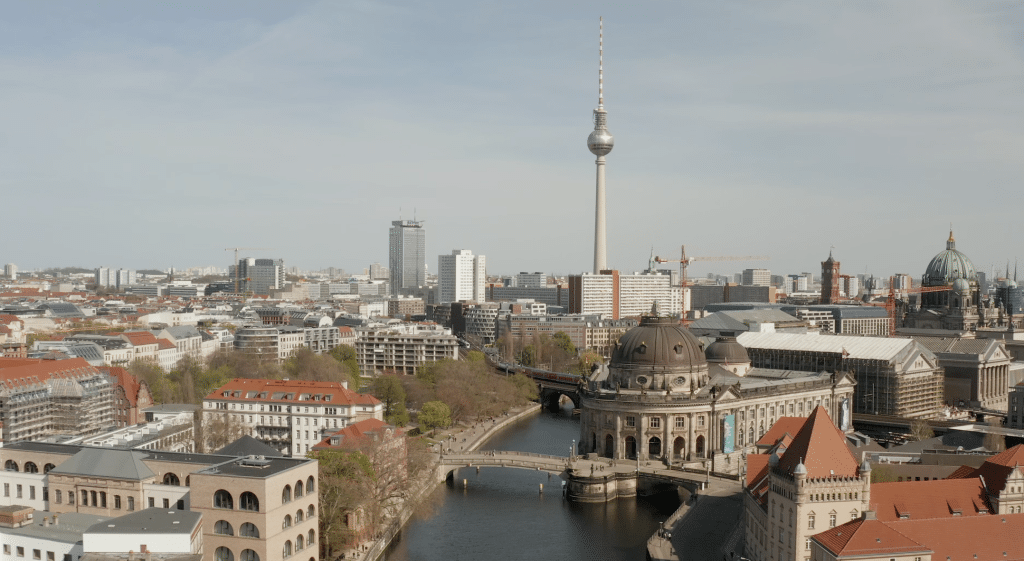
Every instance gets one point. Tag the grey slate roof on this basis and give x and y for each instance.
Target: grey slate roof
(957, 345)
(247, 446)
(739, 320)
(106, 462)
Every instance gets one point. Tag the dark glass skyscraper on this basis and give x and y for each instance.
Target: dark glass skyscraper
(407, 255)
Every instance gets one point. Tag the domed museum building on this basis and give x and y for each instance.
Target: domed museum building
(666, 395)
(957, 304)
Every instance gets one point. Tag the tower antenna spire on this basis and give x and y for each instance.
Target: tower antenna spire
(600, 63)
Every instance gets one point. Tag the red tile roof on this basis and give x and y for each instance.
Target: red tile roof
(757, 468)
(867, 538)
(782, 427)
(246, 390)
(996, 469)
(139, 338)
(164, 344)
(968, 538)
(20, 371)
(8, 318)
(125, 380)
(822, 449)
(354, 434)
(939, 498)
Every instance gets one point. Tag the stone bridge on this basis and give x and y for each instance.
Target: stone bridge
(553, 385)
(522, 460)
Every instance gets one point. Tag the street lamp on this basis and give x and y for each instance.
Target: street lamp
(572, 449)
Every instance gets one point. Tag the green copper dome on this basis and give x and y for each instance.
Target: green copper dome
(948, 266)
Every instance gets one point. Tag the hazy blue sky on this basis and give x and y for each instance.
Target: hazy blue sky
(155, 134)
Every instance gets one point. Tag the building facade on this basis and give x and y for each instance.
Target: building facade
(406, 255)
(461, 277)
(403, 349)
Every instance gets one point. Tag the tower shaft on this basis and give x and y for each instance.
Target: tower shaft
(600, 230)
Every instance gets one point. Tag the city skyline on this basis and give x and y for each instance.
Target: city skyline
(744, 130)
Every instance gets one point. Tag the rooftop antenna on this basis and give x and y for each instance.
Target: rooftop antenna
(600, 64)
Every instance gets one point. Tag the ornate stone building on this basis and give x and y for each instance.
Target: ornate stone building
(661, 398)
(961, 308)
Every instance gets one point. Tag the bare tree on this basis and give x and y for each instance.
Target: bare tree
(215, 430)
(921, 430)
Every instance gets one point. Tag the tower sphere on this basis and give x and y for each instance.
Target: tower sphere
(601, 142)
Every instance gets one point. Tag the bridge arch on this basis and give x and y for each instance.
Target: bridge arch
(551, 398)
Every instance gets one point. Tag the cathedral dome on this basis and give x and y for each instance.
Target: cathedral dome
(948, 266)
(961, 287)
(658, 342)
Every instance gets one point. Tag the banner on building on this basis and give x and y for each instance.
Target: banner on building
(729, 434)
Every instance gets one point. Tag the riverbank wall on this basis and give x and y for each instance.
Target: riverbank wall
(475, 436)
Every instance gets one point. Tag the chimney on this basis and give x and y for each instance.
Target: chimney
(131, 555)
(868, 515)
(56, 521)
(46, 521)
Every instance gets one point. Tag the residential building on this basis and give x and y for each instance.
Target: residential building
(461, 277)
(48, 397)
(405, 306)
(530, 280)
(587, 332)
(290, 415)
(407, 255)
(125, 277)
(403, 349)
(103, 278)
(613, 295)
(551, 295)
(11, 271)
(757, 277)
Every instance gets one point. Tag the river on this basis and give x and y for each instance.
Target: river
(501, 514)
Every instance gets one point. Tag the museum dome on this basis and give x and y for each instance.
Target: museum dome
(658, 341)
(948, 266)
(727, 350)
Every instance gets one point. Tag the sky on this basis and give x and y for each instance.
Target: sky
(157, 134)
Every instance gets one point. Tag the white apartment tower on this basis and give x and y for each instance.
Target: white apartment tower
(11, 271)
(407, 255)
(461, 276)
(756, 277)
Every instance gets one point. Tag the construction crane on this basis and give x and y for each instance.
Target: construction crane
(235, 249)
(685, 261)
(890, 300)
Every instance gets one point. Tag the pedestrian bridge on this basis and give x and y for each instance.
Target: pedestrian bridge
(522, 460)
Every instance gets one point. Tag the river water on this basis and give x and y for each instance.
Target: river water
(501, 513)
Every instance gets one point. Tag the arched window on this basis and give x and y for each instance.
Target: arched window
(287, 522)
(298, 516)
(171, 479)
(223, 527)
(286, 551)
(48, 467)
(298, 490)
(654, 446)
(249, 555)
(310, 539)
(248, 501)
(30, 467)
(222, 499)
(249, 530)
(310, 512)
(286, 494)
(310, 485)
(11, 465)
(223, 554)
(299, 541)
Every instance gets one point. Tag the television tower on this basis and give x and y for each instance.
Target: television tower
(600, 143)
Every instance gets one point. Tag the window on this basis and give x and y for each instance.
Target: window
(630, 421)
(286, 551)
(49, 556)
(310, 512)
(655, 422)
(832, 521)
(299, 541)
(131, 503)
(117, 501)
(287, 522)
(249, 530)
(248, 555)
(286, 494)
(71, 497)
(223, 554)
(167, 503)
(810, 521)
(152, 502)
(56, 496)
(248, 501)
(310, 485)
(7, 549)
(7, 489)
(680, 422)
(21, 551)
(298, 489)
(310, 539)
(807, 544)
(85, 498)
(222, 499)
(700, 420)
(223, 527)
(37, 554)
(298, 516)
(18, 488)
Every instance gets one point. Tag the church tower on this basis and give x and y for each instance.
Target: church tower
(830, 280)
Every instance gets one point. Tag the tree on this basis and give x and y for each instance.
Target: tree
(346, 355)
(389, 390)
(528, 356)
(154, 376)
(476, 356)
(562, 341)
(882, 474)
(921, 430)
(215, 430)
(307, 365)
(435, 414)
(585, 362)
(343, 488)
(417, 392)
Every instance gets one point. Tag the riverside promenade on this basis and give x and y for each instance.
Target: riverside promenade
(707, 526)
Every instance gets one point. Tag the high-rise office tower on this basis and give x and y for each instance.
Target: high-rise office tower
(259, 276)
(461, 276)
(11, 271)
(600, 142)
(407, 255)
